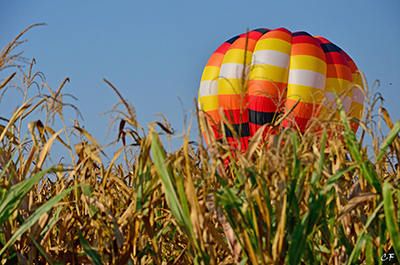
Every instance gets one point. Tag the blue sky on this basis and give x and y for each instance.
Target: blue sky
(154, 52)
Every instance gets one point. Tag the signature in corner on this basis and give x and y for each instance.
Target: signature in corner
(388, 257)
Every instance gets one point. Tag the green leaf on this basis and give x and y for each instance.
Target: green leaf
(92, 254)
(305, 227)
(165, 174)
(297, 244)
(336, 176)
(366, 167)
(388, 140)
(296, 161)
(52, 221)
(322, 248)
(368, 250)
(14, 196)
(5, 168)
(41, 250)
(390, 217)
(244, 261)
(35, 217)
(317, 175)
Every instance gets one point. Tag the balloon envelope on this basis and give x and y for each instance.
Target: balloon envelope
(254, 77)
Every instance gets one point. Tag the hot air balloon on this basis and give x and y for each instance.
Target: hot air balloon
(254, 77)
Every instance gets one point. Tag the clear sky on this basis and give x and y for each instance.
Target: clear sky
(154, 51)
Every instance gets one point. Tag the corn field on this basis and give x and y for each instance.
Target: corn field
(312, 198)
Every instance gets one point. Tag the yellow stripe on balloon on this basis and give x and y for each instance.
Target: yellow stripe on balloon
(210, 73)
(305, 94)
(232, 86)
(209, 103)
(237, 56)
(269, 72)
(307, 62)
(338, 85)
(274, 44)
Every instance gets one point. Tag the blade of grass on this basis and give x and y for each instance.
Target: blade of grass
(318, 173)
(46, 255)
(354, 202)
(356, 152)
(166, 177)
(5, 169)
(16, 194)
(305, 227)
(52, 221)
(331, 181)
(34, 218)
(396, 141)
(388, 140)
(93, 255)
(391, 223)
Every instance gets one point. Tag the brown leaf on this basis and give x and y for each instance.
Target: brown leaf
(354, 202)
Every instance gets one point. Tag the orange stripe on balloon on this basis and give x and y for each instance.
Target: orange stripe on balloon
(215, 59)
(242, 42)
(307, 49)
(280, 33)
(234, 102)
(302, 110)
(266, 88)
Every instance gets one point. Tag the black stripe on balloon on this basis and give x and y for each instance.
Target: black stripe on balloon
(261, 30)
(232, 40)
(301, 33)
(330, 47)
(261, 118)
(241, 129)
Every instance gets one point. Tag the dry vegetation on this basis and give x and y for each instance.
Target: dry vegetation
(304, 199)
